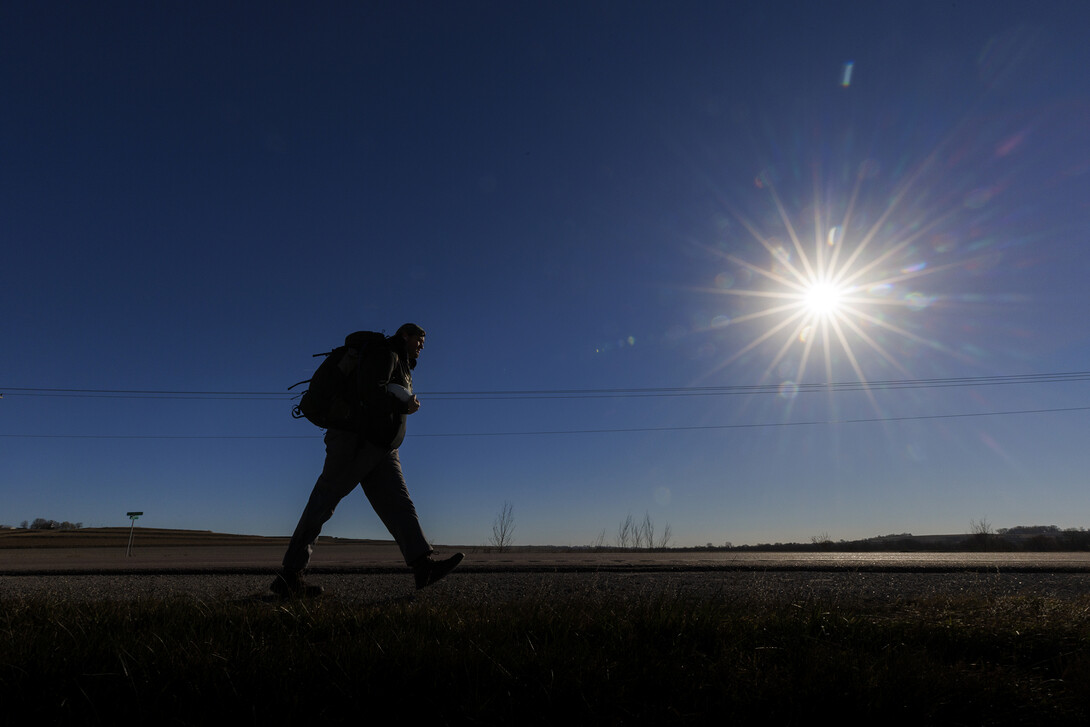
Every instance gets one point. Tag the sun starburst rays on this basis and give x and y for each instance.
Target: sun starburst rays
(835, 300)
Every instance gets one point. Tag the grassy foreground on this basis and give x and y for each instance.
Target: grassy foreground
(648, 660)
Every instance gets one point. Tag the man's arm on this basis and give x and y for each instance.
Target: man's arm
(377, 370)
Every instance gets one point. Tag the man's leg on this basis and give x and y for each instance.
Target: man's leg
(386, 489)
(346, 463)
(389, 495)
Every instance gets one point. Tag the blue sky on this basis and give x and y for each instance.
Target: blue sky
(586, 197)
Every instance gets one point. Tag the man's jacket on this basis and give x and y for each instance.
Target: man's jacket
(382, 417)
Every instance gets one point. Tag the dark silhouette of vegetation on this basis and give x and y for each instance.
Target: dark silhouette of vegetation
(1021, 538)
(503, 528)
(641, 535)
(583, 657)
(43, 524)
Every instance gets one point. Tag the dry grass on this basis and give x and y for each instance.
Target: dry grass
(650, 659)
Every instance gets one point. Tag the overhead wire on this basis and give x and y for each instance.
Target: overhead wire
(886, 385)
(617, 430)
(636, 392)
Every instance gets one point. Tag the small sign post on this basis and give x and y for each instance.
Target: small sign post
(132, 516)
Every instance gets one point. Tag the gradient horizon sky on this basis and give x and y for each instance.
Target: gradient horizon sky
(625, 200)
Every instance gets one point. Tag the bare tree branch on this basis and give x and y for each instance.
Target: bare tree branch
(647, 532)
(625, 532)
(503, 528)
(667, 533)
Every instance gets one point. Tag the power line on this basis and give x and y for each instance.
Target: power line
(484, 395)
(179, 395)
(145, 394)
(620, 430)
(733, 390)
(705, 427)
(161, 436)
(768, 388)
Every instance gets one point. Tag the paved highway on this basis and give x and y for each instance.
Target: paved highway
(374, 574)
(369, 558)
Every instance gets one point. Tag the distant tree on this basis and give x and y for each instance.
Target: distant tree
(23, 525)
(645, 533)
(980, 527)
(42, 523)
(632, 534)
(626, 532)
(981, 533)
(503, 527)
(1076, 539)
(667, 534)
(1041, 544)
(600, 541)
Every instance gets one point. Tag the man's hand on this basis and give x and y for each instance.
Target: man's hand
(414, 405)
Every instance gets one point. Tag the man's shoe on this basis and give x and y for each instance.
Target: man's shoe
(290, 584)
(428, 571)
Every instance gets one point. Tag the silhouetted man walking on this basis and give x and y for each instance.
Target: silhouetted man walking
(367, 454)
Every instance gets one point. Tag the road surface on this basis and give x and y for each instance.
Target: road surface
(375, 573)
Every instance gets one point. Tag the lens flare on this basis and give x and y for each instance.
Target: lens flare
(846, 75)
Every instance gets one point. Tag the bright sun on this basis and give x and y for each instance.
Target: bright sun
(831, 294)
(822, 299)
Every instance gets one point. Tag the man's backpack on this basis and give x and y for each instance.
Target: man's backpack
(332, 398)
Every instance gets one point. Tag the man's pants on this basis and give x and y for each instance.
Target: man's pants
(351, 461)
